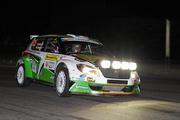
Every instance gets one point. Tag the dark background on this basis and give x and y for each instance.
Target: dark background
(129, 29)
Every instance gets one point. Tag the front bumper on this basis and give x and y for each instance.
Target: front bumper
(83, 87)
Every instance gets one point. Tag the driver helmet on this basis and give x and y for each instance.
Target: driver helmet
(76, 48)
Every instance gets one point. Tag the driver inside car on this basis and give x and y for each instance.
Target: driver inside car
(76, 48)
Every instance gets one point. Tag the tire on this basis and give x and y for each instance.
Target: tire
(62, 82)
(20, 77)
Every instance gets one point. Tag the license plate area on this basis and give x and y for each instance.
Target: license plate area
(112, 88)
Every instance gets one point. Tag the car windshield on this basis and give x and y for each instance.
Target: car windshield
(81, 48)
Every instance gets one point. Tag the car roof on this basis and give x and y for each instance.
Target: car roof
(72, 37)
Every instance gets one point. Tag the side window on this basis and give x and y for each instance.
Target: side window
(53, 45)
(38, 44)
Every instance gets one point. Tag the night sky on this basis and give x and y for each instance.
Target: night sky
(132, 29)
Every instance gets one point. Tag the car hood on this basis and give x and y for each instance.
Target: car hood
(95, 58)
(91, 58)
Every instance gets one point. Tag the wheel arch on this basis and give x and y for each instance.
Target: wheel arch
(61, 65)
(25, 61)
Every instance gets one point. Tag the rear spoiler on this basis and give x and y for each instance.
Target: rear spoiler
(33, 36)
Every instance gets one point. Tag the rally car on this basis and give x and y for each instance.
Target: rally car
(72, 64)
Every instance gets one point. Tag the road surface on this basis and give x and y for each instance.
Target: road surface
(160, 100)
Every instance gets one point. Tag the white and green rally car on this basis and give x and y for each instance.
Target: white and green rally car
(72, 64)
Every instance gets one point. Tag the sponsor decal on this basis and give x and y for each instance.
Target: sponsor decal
(50, 64)
(61, 57)
(52, 57)
(82, 76)
(83, 87)
(34, 66)
(90, 79)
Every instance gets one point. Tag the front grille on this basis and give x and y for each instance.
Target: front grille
(117, 81)
(118, 74)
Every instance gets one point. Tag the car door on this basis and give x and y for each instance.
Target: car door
(50, 60)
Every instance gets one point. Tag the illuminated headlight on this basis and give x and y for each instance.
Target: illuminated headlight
(116, 64)
(105, 64)
(125, 65)
(87, 69)
(133, 75)
(132, 66)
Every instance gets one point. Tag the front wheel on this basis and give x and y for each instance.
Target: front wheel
(20, 77)
(62, 82)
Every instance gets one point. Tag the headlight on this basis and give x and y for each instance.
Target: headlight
(86, 69)
(105, 64)
(125, 65)
(116, 64)
(132, 66)
(133, 75)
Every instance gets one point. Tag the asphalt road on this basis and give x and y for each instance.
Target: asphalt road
(160, 100)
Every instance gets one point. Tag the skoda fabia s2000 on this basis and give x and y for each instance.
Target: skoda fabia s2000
(72, 65)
